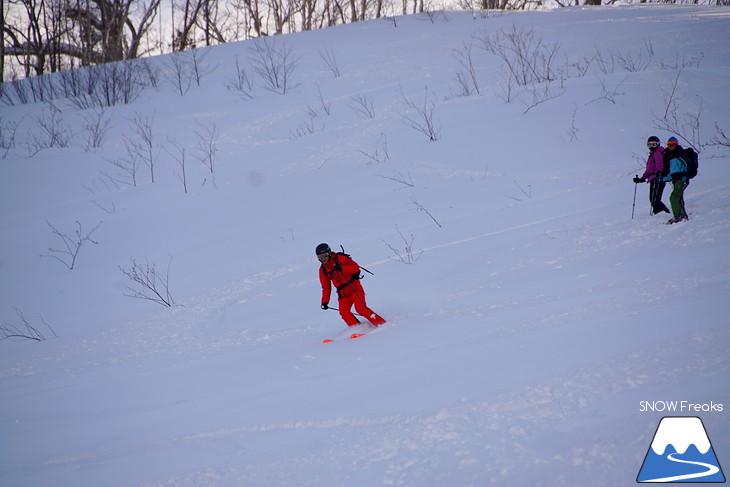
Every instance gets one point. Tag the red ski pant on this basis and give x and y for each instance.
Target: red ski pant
(356, 297)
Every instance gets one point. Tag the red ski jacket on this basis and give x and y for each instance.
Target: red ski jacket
(342, 272)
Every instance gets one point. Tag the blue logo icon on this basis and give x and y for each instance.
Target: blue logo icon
(680, 452)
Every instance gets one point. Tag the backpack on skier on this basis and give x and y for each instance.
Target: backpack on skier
(692, 162)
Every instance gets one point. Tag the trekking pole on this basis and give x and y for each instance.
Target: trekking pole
(652, 196)
(634, 205)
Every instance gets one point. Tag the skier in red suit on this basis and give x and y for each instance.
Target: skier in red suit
(340, 270)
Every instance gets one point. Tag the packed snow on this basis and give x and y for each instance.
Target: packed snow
(531, 319)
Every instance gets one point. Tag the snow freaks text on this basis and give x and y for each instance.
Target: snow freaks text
(680, 407)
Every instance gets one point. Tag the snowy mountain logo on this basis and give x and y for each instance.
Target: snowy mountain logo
(680, 452)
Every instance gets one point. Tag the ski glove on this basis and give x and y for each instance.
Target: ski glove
(325, 306)
(638, 180)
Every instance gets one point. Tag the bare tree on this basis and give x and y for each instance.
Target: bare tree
(109, 30)
(52, 35)
(183, 35)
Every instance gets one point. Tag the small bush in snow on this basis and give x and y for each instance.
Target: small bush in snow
(151, 284)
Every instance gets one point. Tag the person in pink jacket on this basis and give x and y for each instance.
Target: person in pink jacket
(654, 168)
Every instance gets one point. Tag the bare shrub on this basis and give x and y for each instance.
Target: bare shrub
(199, 66)
(143, 147)
(381, 153)
(96, 126)
(109, 84)
(178, 72)
(420, 116)
(527, 57)
(207, 137)
(540, 93)
(51, 131)
(24, 331)
(326, 105)
(406, 255)
(7, 136)
(330, 61)
(608, 94)
(71, 244)
(685, 125)
(363, 106)
(420, 207)
(467, 76)
(405, 180)
(241, 83)
(275, 63)
(720, 139)
(309, 126)
(179, 154)
(151, 285)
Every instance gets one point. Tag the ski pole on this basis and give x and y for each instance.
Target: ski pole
(633, 208)
(337, 309)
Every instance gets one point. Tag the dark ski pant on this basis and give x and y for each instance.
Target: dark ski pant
(676, 199)
(656, 190)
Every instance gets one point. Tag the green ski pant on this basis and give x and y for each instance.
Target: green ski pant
(676, 199)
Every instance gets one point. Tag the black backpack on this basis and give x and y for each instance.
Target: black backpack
(692, 162)
(359, 276)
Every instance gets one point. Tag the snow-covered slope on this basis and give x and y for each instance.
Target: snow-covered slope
(533, 319)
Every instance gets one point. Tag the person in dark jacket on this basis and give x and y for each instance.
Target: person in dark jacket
(675, 171)
(340, 270)
(653, 173)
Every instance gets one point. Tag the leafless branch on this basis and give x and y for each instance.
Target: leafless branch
(422, 208)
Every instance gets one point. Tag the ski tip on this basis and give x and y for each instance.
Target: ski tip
(326, 340)
(357, 335)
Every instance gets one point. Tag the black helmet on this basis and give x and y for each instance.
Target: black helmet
(653, 142)
(323, 248)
